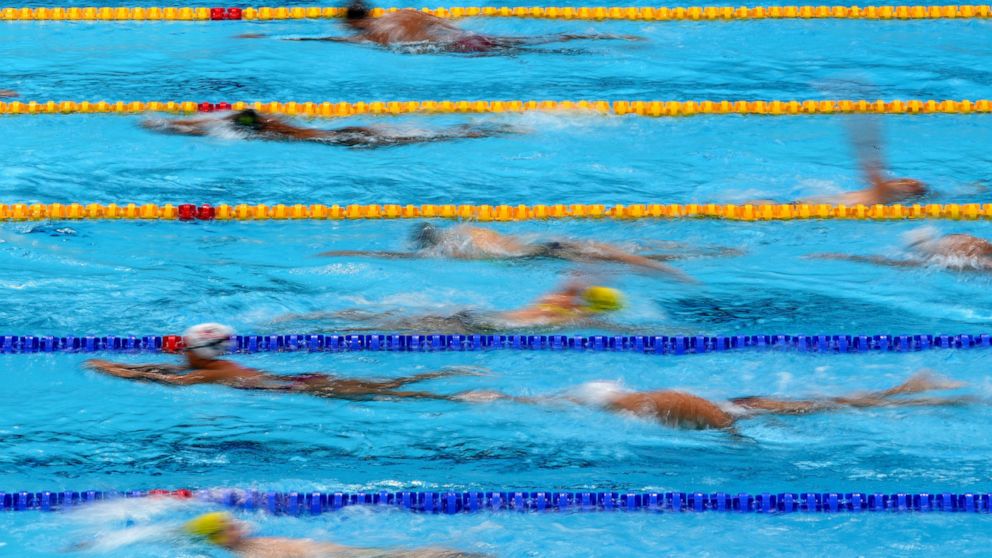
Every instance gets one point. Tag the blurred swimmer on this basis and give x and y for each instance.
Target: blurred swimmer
(206, 343)
(8, 93)
(410, 27)
(957, 252)
(469, 242)
(575, 304)
(249, 124)
(866, 139)
(220, 529)
(678, 409)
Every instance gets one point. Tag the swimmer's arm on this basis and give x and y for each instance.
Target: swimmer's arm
(877, 260)
(612, 253)
(123, 371)
(189, 127)
(8, 93)
(372, 254)
(161, 368)
(327, 39)
(563, 38)
(306, 316)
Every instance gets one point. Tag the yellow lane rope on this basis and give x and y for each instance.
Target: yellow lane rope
(692, 13)
(641, 108)
(263, 212)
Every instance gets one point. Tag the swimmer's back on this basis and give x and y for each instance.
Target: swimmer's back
(964, 245)
(674, 408)
(409, 26)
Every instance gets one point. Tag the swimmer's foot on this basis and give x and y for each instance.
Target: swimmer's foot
(251, 36)
(922, 381)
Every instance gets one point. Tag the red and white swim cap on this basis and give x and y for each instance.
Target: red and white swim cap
(209, 340)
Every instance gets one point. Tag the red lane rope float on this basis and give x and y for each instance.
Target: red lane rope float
(467, 212)
(654, 108)
(584, 13)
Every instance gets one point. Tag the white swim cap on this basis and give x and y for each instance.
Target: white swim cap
(599, 393)
(921, 235)
(208, 340)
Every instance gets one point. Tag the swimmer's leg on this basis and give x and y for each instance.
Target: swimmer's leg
(714, 252)
(370, 254)
(370, 137)
(353, 315)
(923, 381)
(410, 394)
(784, 406)
(919, 383)
(931, 401)
(443, 373)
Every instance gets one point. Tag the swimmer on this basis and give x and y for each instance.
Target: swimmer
(412, 27)
(206, 343)
(956, 252)
(574, 305)
(679, 409)
(253, 125)
(220, 529)
(469, 242)
(8, 93)
(866, 138)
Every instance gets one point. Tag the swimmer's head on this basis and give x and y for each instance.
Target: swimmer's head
(357, 12)
(921, 235)
(218, 528)
(600, 299)
(899, 189)
(248, 119)
(208, 341)
(425, 236)
(598, 394)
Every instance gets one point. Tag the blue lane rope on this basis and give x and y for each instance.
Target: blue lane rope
(653, 344)
(316, 503)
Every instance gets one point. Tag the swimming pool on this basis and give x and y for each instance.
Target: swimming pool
(68, 428)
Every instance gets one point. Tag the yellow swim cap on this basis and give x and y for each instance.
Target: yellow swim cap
(211, 526)
(602, 299)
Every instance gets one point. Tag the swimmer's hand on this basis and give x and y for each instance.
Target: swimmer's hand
(251, 36)
(8, 93)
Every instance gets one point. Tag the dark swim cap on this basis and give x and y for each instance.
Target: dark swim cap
(248, 118)
(357, 10)
(425, 235)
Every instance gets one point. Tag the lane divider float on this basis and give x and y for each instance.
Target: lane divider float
(632, 13)
(648, 344)
(450, 502)
(489, 213)
(655, 108)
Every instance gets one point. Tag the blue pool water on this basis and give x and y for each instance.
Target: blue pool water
(66, 428)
